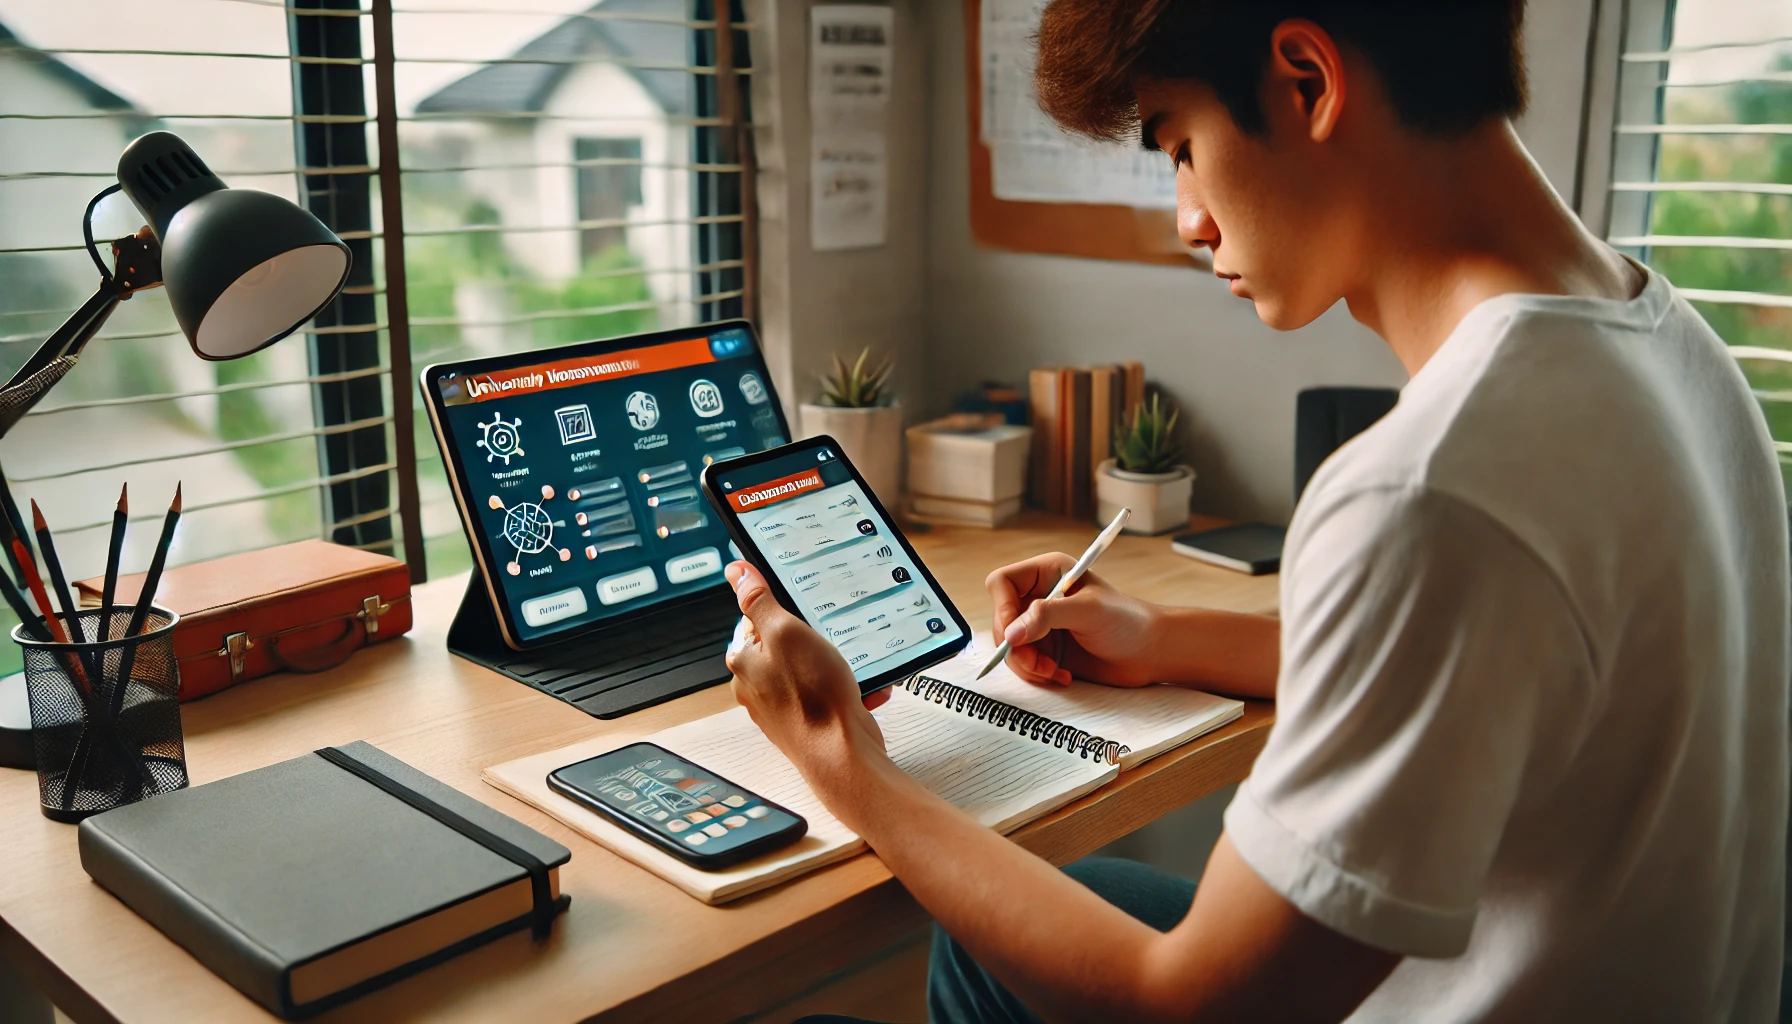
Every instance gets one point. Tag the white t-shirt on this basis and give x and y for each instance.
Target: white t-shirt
(1532, 716)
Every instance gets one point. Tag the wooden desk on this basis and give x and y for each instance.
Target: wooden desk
(632, 947)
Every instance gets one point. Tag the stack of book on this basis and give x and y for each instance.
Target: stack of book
(1075, 410)
(967, 469)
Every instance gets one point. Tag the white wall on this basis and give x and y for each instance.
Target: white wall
(815, 304)
(995, 314)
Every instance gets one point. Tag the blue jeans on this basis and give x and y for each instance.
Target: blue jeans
(961, 992)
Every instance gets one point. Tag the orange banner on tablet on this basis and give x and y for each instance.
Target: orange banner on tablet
(774, 491)
(566, 373)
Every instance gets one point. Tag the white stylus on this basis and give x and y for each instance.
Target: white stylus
(1068, 580)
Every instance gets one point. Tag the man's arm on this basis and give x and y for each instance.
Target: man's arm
(1243, 950)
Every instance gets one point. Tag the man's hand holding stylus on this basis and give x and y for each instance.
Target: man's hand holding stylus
(1094, 632)
(1098, 634)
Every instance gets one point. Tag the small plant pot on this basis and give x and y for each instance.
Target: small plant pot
(1159, 501)
(872, 438)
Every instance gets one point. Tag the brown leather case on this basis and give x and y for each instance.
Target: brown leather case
(302, 607)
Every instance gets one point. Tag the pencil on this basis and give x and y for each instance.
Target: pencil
(33, 627)
(58, 582)
(28, 567)
(140, 614)
(114, 551)
(15, 526)
(153, 578)
(77, 672)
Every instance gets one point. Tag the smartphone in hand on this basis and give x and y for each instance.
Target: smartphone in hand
(834, 558)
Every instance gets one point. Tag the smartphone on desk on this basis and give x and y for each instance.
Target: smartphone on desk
(801, 513)
(685, 810)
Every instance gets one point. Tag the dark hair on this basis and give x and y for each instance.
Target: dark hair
(1447, 65)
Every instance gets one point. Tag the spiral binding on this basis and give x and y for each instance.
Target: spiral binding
(1006, 716)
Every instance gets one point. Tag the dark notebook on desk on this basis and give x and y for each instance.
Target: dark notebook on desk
(311, 881)
(1252, 548)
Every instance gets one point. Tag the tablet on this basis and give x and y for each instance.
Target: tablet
(575, 470)
(834, 557)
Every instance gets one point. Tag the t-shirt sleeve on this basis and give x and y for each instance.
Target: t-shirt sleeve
(1430, 665)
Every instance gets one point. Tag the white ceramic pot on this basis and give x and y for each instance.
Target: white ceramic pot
(1159, 501)
(872, 438)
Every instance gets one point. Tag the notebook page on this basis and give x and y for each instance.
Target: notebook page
(1001, 779)
(1148, 719)
(997, 777)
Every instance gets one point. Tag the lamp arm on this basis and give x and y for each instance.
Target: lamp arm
(53, 359)
(137, 264)
(69, 339)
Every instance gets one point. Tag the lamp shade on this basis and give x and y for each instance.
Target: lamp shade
(243, 268)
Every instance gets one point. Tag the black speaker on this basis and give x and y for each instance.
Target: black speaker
(1325, 418)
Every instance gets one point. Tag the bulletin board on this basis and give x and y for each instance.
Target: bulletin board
(1099, 231)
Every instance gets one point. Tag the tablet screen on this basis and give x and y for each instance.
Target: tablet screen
(840, 561)
(581, 470)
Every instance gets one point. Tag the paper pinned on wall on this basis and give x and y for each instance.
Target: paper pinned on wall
(850, 57)
(1031, 158)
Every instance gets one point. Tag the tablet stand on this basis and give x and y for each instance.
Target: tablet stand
(475, 636)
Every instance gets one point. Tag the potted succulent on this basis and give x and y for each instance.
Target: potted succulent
(857, 409)
(1145, 474)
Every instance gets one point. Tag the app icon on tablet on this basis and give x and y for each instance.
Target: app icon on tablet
(643, 410)
(706, 398)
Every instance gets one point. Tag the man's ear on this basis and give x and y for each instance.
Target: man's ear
(1306, 76)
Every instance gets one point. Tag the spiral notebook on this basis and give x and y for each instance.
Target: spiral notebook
(1000, 749)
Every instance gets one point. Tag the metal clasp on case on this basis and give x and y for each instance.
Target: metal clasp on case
(236, 648)
(371, 610)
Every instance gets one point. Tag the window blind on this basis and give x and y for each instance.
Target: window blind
(507, 177)
(1701, 185)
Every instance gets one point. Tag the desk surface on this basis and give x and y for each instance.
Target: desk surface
(632, 946)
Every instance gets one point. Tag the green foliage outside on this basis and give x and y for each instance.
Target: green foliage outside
(545, 314)
(243, 415)
(1753, 158)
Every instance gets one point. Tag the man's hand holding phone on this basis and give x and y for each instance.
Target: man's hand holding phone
(798, 688)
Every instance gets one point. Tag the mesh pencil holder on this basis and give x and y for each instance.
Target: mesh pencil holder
(100, 744)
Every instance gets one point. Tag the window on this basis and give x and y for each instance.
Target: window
(609, 185)
(1701, 185)
(579, 182)
(563, 172)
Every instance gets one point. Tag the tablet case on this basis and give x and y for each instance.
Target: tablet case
(301, 607)
(475, 636)
(311, 881)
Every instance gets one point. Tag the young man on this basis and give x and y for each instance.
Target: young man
(1530, 758)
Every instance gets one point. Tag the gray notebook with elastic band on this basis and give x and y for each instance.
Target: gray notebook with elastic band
(314, 880)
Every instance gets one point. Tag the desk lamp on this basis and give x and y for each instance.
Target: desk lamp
(243, 269)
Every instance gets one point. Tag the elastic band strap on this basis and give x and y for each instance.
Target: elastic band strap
(541, 918)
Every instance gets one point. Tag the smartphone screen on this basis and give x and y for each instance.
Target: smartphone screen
(664, 794)
(842, 564)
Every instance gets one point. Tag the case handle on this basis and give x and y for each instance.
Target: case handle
(339, 650)
(324, 658)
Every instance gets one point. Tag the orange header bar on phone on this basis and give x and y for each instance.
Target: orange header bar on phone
(566, 373)
(774, 491)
